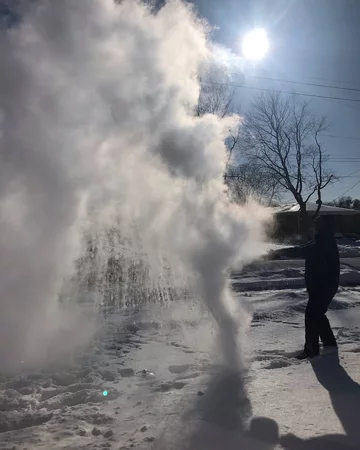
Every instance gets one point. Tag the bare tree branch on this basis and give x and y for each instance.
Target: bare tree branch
(233, 142)
(246, 181)
(281, 136)
(215, 98)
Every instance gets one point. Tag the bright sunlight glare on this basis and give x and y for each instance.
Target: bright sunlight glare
(255, 44)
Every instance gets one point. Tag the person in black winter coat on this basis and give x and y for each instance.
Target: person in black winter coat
(322, 271)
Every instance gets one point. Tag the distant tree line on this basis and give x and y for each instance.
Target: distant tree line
(346, 202)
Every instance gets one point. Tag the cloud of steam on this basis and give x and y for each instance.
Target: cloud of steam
(96, 113)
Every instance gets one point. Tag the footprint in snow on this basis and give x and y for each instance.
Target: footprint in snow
(277, 359)
(184, 348)
(278, 364)
(179, 368)
(166, 387)
(353, 350)
(189, 376)
(174, 344)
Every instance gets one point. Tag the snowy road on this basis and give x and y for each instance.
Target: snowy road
(193, 402)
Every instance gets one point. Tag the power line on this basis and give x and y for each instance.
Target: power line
(352, 173)
(341, 137)
(313, 84)
(339, 103)
(304, 94)
(352, 187)
(327, 86)
(354, 100)
(332, 158)
(346, 105)
(354, 159)
(328, 80)
(335, 161)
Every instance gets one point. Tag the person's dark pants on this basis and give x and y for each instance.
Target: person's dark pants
(316, 323)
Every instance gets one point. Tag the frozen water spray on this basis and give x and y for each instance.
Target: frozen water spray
(96, 122)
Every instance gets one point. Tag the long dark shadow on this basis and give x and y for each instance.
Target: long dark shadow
(224, 418)
(344, 393)
(224, 414)
(221, 419)
(225, 403)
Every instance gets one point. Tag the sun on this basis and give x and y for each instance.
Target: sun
(255, 44)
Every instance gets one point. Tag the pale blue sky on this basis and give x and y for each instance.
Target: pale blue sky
(312, 41)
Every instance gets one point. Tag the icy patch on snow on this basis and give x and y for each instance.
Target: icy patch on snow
(179, 369)
(278, 363)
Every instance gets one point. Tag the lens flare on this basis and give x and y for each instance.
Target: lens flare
(255, 44)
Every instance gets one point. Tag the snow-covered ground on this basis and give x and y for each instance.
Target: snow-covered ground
(349, 248)
(285, 274)
(191, 401)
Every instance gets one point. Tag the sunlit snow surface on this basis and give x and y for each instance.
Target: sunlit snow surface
(167, 388)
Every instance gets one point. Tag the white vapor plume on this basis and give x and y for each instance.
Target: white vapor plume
(96, 114)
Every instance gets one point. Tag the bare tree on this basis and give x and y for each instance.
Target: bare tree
(216, 96)
(282, 138)
(346, 202)
(248, 181)
(356, 204)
